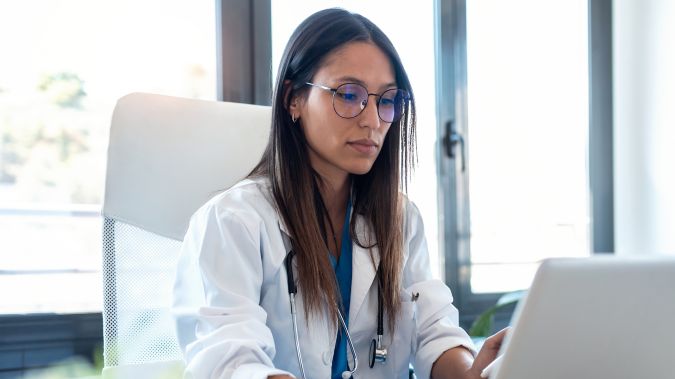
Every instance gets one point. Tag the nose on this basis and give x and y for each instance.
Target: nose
(369, 117)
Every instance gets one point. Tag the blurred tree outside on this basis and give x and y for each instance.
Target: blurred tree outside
(65, 89)
(50, 149)
(60, 78)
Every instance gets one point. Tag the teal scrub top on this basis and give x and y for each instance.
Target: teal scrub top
(343, 273)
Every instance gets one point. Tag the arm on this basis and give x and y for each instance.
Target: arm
(439, 338)
(220, 324)
(444, 349)
(459, 362)
(453, 363)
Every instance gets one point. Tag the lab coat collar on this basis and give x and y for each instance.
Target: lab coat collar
(363, 271)
(287, 234)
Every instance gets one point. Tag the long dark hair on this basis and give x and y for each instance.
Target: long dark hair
(375, 195)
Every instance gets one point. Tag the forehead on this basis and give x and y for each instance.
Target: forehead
(363, 61)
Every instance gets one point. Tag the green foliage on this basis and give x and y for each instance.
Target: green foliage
(65, 89)
(98, 358)
(76, 367)
(52, 144)
(482, 326)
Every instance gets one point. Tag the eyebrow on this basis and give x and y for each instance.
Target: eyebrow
(351, 79)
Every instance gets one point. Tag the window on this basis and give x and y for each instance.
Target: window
(64, 65)
(527, 95)
(522, 108)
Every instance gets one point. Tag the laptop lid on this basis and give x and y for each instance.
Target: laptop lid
(598, 317)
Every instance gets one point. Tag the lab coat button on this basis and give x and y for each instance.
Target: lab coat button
(327, 358)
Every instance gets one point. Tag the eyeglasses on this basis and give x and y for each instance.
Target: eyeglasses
(350, 99)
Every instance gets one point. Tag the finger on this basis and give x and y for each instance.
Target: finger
(495, 340)
(502, 333)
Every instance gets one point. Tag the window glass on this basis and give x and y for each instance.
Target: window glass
(64, 65)
(527, 74)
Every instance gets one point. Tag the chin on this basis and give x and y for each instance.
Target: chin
(360, 169)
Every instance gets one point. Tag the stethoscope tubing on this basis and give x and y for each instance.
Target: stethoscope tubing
(295, 335)
(293, 290)
(351, 347)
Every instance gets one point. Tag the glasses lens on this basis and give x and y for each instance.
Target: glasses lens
(392, 105)
(349, 100)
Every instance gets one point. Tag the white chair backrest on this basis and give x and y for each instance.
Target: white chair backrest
(166, 157)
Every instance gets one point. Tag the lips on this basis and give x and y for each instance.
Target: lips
(364, 146)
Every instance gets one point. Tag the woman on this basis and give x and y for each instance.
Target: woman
(322, 210)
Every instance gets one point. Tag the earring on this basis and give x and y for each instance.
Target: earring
(293, 118)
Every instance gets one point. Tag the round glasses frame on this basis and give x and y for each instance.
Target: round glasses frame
(364, 103)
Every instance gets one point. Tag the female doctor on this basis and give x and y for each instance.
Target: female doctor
(315, 265)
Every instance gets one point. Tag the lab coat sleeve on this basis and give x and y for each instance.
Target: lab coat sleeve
(437, 319)
(220, 325)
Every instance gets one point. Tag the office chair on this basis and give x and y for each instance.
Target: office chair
(166, 157)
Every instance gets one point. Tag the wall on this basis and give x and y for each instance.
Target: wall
(644, 134)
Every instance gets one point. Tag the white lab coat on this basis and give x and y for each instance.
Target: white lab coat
(232, 309)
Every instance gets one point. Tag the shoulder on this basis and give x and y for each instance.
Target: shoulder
(416, 265)
(249, 191)
(412, 218)
(248, 201)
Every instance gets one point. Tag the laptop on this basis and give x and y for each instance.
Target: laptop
(600, 317)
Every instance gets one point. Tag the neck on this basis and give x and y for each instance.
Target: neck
(335, 192)
(334, 187)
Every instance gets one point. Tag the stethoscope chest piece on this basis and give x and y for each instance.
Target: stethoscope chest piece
(377, 353)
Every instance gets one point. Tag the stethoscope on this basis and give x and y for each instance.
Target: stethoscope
(377, 353)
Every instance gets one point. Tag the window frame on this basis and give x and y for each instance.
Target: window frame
(244, 51)
(34, 341)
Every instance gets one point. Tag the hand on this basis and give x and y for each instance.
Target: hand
(487, 354)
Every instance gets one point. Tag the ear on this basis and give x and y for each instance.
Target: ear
(292, 103)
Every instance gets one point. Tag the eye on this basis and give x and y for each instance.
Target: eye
(387, 102)
(347, 96)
